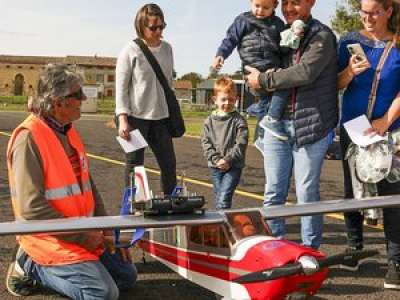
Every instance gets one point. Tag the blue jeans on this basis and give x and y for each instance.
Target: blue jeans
(90, 280)
(280, 159)
(278, 104)
(225, 183)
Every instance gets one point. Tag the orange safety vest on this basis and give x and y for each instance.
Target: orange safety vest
(62, 190)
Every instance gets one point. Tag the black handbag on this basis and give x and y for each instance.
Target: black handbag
(175, 122)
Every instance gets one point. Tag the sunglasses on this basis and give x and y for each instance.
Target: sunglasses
(156, 27)
(78, 95)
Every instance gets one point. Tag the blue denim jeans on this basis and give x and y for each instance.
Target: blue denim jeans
(90, 280)
(281, 158)
(225, 183)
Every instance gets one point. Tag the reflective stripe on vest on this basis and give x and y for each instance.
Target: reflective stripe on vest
(67, 191)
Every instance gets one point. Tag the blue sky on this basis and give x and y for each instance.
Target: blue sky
(78, 27)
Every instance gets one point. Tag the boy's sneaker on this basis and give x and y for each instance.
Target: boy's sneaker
(17, 283)
(392, 278)
(351, 264)
(274, 127)
(259, 144)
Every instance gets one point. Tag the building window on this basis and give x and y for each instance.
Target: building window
(110, 93)
(100, 78)
(19, 67)
(7, 66)
(110, 78)
(32, 68)
(6, 85)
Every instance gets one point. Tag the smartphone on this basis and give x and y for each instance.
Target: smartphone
(357, 50)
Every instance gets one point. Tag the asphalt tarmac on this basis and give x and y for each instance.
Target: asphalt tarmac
(158, 282)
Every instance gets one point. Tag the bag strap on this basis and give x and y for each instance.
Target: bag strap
(377, 77)
(154, 64)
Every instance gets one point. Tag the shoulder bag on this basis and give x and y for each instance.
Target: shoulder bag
(373, 163)
(175, 122)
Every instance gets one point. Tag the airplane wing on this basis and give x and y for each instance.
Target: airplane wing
(108, 222)
(328, 206)
(131, 222)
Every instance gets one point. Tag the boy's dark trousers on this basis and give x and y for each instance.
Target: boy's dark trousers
(156, 134)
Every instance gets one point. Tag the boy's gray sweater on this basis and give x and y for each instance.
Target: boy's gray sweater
(225, 137)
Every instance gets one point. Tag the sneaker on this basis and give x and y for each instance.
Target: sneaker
(17, 283)
(351, 264)
(274, 127)
(392, 278)
(259, 145)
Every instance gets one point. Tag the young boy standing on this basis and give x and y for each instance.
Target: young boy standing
(224, 141)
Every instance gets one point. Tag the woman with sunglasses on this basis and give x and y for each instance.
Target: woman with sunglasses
(380, 20)
(140, 98)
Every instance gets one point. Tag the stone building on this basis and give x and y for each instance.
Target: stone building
(19, 75)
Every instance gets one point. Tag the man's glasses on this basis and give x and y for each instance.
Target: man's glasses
(156, 27)
(78, 95)
(371, 14)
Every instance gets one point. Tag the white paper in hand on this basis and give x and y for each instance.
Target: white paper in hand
(136, 142)
(356, 130)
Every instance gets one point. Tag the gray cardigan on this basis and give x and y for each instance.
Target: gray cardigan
(225, 138)
(314, 78)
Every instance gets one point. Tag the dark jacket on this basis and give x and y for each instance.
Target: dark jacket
(225, 137)
(314, 79)
(257, 41)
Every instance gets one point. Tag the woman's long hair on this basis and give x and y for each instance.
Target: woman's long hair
(394, 21)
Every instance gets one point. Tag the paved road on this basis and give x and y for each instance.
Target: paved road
(157, 282)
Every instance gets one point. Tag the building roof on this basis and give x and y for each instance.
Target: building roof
(73, 60)
(183, 84)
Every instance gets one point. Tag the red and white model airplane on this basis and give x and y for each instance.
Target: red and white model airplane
(231, 253)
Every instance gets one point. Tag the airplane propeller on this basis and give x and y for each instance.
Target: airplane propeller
(307, 265)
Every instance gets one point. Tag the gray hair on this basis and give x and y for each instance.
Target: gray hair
(55, 83)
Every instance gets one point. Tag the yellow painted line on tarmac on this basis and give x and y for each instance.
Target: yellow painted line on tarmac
(190, 180)
(5, 133)
(203, 183)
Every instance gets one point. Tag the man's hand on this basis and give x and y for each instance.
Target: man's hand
(94, 240)
(252, 77)
(110, 247)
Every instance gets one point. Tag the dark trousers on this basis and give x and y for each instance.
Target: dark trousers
(160, 141)
(354, 220)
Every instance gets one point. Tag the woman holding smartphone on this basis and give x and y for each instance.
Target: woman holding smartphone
(380, 19)
(140, 98)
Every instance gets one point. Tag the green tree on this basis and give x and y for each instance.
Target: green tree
(346, 17)
(193, 77)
